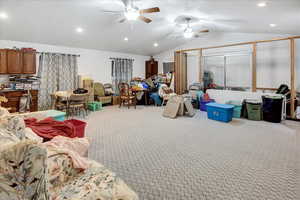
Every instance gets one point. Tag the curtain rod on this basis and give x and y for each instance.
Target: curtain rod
(58, 53)
(121, 58)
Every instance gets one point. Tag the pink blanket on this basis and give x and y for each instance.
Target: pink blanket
(75, 148)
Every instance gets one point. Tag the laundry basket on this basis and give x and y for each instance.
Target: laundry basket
(79, 127)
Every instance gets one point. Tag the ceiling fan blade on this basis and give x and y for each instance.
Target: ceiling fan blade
(125, 2)
(122, 20)
(145, 19)
(111, 12)
(203, 31)
(149, 10)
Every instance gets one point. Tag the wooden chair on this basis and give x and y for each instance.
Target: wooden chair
(78, 103)
(58, 102)
(127, 97)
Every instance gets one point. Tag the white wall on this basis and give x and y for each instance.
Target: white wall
(273, 63)
(92, 63)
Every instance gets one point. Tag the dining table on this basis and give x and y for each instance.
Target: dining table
(64, 96)
(136, 90)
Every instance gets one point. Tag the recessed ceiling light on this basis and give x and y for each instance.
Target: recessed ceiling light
(3, 15)
(262, 4)
(273, 25)
(79, 30)
(126, 39)
(155, 44)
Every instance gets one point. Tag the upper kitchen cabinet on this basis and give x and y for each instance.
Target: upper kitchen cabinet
(29, 62)
(17, 61)
(3, 61)
(14, 61)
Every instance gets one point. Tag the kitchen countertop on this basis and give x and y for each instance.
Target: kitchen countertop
(12, 90)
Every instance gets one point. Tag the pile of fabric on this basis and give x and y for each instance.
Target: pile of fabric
(55, 170)
(155, 86)
(49, 128)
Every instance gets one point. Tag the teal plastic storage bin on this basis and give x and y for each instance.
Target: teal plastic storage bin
(237, 110)
(95, 106)
(57, 115)
(219, 112)
(199, 95)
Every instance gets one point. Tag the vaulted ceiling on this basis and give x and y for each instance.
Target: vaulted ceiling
(55, 22)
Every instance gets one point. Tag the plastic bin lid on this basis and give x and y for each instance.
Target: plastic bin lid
(205, 101)
(253, 101)
(217, 105)
(236, 103)
(273, 97)
(54, 113)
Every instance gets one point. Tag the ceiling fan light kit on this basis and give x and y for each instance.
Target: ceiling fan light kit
(132, 14)
(188, 33)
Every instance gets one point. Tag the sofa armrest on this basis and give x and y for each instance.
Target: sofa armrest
(23, 173)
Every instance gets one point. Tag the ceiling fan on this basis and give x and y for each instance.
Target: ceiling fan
(132, 12)
(189, 32)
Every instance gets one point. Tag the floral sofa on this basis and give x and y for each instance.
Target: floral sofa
(29, 170)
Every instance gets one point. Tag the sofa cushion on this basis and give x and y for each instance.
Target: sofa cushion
(99, 90)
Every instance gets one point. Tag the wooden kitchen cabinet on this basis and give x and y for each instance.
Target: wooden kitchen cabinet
(29, 62)
(3, 61)
(17, 61)
(14, 61)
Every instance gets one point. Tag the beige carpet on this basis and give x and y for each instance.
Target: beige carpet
(196, 158)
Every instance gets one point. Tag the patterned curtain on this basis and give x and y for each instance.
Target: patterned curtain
(67, 73)
(121, 72)
(57, 72)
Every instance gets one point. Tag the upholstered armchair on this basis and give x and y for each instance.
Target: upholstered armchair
(99, 92)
